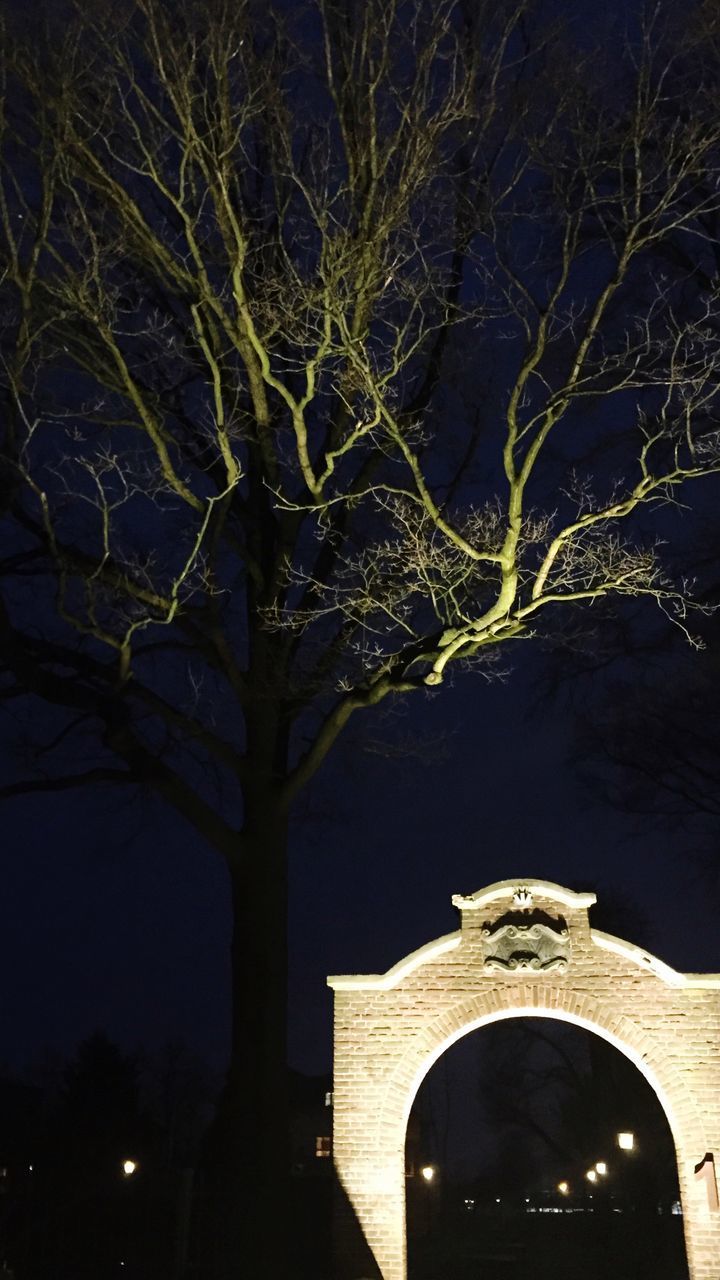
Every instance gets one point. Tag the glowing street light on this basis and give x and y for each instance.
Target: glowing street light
(129, 1167)
(591, 1175)
(626, 1141)
(427, 1172)
(602, 1168)
(564, 1188)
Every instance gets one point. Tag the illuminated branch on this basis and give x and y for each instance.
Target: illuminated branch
(345, 398)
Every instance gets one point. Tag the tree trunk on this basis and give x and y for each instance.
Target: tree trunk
(247, 1158)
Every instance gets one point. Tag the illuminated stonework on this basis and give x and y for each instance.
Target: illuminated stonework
(525, 949)
(526, 940)
(522, 897)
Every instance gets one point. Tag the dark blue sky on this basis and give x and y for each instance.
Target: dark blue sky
(112, 914)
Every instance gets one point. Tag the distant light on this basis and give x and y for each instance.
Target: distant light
(497, 1200)
(591, 1175)
(563, 1188)
(428, 1172)
(30, 1168)
(469, 1205)
(601, 1168)
(129, 1167)
(626, 1141)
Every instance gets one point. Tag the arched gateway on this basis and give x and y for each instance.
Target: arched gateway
(525, 948)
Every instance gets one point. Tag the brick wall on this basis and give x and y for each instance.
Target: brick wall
(391, 1028)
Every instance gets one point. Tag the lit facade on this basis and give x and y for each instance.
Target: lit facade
(525, 949)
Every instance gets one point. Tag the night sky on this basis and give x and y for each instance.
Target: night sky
(113, 915)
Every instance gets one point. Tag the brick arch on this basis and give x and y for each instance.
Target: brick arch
(391, 1028)
(626, 1036)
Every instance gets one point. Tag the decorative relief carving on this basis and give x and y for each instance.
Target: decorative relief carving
(526, 940)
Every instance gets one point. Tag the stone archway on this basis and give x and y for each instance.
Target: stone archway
(525, 948)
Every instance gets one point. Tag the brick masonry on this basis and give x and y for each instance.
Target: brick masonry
(390, 1029)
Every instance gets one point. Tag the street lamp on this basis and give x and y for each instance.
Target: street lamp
(427, 1172)
(591, 1175)
(601, 1168)
(129, 1167)
(626, 1141)
(564, 1188)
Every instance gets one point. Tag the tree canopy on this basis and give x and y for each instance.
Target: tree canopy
(367, 336)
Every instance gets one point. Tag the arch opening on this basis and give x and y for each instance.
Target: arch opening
(509, 1193)
(558, 1015)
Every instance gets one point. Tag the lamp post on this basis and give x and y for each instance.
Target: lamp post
(129, 1168)
(429, 1200)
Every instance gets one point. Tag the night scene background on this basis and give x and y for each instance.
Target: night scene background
(111, 921)
(584, 752)
(113, 917)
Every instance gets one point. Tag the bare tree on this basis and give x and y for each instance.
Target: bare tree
(336, 356)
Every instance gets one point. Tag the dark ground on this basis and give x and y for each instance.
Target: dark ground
(603, 1246)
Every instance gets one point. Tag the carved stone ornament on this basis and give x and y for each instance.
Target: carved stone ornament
(522, 940)
(522, 897)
